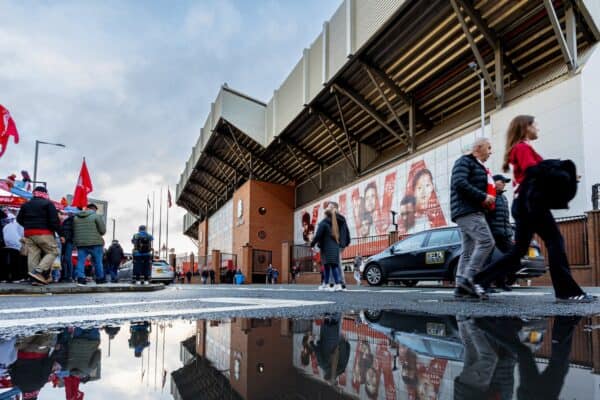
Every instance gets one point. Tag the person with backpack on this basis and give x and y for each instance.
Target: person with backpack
(114, 257)
(142, 255)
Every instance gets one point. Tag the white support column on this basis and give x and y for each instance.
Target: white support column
(350, 27)
(325, 36)
(275, 95)
(571, 28)
(305, 76)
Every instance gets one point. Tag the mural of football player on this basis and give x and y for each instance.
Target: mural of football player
(420, 184)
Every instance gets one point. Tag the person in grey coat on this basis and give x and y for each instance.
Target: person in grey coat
(331, 237)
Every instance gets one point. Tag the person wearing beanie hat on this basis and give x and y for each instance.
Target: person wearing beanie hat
(40, 221)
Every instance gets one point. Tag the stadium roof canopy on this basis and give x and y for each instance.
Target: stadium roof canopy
(378, 84)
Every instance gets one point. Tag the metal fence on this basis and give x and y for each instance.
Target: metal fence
(366, 246)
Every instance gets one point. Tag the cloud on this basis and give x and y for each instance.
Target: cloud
(128, 85)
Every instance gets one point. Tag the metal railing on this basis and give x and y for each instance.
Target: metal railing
(574, 231)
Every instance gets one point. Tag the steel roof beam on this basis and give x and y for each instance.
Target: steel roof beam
(405, 97)
(480, 61)
(562, 42)
(366, 107)
(260, 158)
(235, 149)
(207, 172)
(221, 160)
(201, 186)
(328, 118)
(490, 35)
(306, 174)
(301, 150)
(221, 170)
(340, 148)
(387, 103)
(346, 135)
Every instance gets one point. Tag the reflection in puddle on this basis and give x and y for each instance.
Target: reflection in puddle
(370, 355)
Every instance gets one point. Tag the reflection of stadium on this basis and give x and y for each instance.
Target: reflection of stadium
(374, 115)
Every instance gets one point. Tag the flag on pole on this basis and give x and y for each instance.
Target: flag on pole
(83, 188)
(169, 201)
(7, 129)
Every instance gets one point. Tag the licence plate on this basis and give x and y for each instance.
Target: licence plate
(159, 270)
(435, 329)
(533, 252)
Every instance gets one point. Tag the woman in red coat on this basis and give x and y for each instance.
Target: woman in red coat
(532, 218)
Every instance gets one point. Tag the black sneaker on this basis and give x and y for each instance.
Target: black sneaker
(582, 298)
(461, 293)
(81, 281)
(100, 281)
(472, 288)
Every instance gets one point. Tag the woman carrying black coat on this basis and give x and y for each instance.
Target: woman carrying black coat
(331, 236)
(532, 215)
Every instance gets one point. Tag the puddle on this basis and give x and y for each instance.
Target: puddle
(372, 354)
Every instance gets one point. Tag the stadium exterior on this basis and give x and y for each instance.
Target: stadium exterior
(378, 109)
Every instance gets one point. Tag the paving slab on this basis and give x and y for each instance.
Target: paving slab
(72, 288)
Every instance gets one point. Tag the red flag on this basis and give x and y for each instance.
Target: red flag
(7, 129)
(169, 201)
(84, 186)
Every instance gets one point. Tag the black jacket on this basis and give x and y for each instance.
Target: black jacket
(67, 229)
(468, 187)
(115, 254)
(550, 184)
(39, 213)
(499, 219)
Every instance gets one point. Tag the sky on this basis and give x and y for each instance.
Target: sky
(128, 85)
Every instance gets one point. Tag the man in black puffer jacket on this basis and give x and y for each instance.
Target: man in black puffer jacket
(40, 220)
(469, 200)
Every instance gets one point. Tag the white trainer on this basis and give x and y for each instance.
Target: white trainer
(138, 282)
(322, 287)
(338, 288)
(146, 283)
(331, 288)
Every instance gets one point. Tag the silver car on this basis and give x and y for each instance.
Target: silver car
(161, 272)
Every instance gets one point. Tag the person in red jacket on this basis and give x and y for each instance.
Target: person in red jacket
(520, 154)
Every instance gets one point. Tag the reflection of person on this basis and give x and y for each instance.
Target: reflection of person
(409, 223)
(332, 349)
(139, 339)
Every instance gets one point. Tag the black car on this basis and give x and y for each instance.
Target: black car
(433, 255)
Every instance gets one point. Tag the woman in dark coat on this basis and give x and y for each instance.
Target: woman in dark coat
(330, 241)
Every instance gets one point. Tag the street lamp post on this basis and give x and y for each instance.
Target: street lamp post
(114, 221)
(35, 161)
(473, 66)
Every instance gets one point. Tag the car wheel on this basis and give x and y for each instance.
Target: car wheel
(374, 275)
(410, 282)
(372, 315)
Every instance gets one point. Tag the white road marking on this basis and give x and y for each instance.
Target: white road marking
(521, 294)
(242, 304)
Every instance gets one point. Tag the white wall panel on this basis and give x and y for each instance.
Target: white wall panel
(370, 15)
(315, 71)
(289, 98)
(220, 229)
(247, 115)
(337, 40)
(590, 85)
(270, 131)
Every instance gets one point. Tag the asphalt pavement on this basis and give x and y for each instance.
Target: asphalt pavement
(29, 313)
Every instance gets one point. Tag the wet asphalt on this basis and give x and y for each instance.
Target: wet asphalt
(23, 314)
